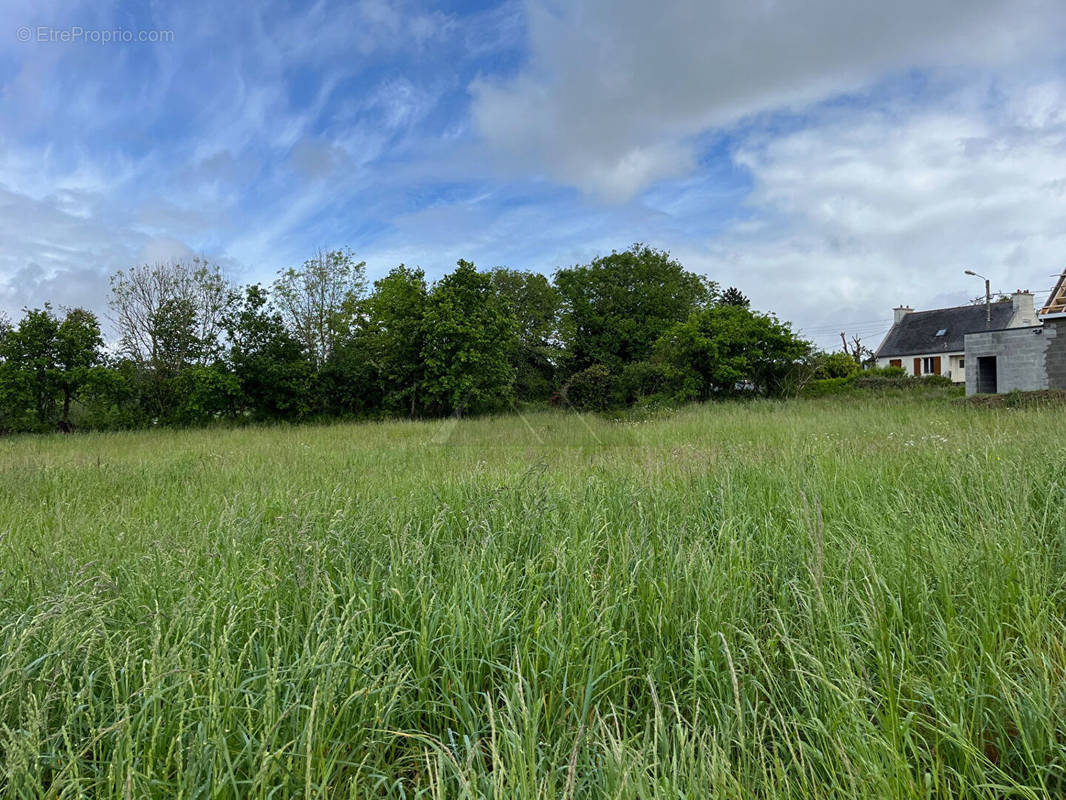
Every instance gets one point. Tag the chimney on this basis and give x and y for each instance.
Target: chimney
(1024, 310)
(902, 311)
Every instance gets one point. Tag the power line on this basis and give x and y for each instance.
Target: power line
(830, 326)
(852, 322)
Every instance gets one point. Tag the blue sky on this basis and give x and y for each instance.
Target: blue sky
(831, 159)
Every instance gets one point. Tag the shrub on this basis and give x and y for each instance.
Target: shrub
(837, 365)
(828, 386)
(889, 378)
(890, 371)
(646, 380)
(937, 380)
(592, 389)
(883, 381)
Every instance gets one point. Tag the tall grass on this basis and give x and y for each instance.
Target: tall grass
(814, 599)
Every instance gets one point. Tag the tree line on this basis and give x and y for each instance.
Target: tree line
(632, 327)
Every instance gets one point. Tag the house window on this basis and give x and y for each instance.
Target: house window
(895, 362)
(941, 332)
(962, 363)
(931, 365)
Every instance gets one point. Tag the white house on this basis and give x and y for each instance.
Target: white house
(933, 342)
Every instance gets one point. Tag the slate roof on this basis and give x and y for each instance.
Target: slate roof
(915, 334)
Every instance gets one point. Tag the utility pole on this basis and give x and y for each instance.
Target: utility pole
(988, 298)
(988, 305)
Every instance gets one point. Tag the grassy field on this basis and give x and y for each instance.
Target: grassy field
(807, 599)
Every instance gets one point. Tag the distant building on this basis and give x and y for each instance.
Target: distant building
(934, 342)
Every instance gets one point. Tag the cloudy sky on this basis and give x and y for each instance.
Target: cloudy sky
(832, 158)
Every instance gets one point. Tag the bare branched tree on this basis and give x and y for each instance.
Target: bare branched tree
(856, 349)
(318, 300)
(143, 298)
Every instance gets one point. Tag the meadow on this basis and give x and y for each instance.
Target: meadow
(807, 599)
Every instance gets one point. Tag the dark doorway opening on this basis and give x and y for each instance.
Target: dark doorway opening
(986, 375)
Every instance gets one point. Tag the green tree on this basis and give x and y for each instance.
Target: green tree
(319, 300)
(78, 348)
(204, 394)
(30, 350)
(733, 297)
(112, 396)
(46, 362)
(394, 335)
(616, 307)
(17, 412)
(733, 349)
(348, 384)
(470, 341)
(535, 305)
(275, 377)
(177, 345)
(16, 399)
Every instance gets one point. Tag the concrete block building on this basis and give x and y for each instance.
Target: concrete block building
(1026, 358)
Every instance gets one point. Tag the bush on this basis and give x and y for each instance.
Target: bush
(889, 378)
(888, 372)
(592, 389)
(883, 381)
(937, 380)
(828, 386)
(837, 365)
(648, 380)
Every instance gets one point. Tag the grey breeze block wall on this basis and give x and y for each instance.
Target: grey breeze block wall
(1027, 359)
(1056, 353)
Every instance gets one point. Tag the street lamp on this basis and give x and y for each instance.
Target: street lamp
(988, 298)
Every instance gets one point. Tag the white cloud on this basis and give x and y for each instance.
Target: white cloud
(861, 211)
(615, 89)
(60, 249)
